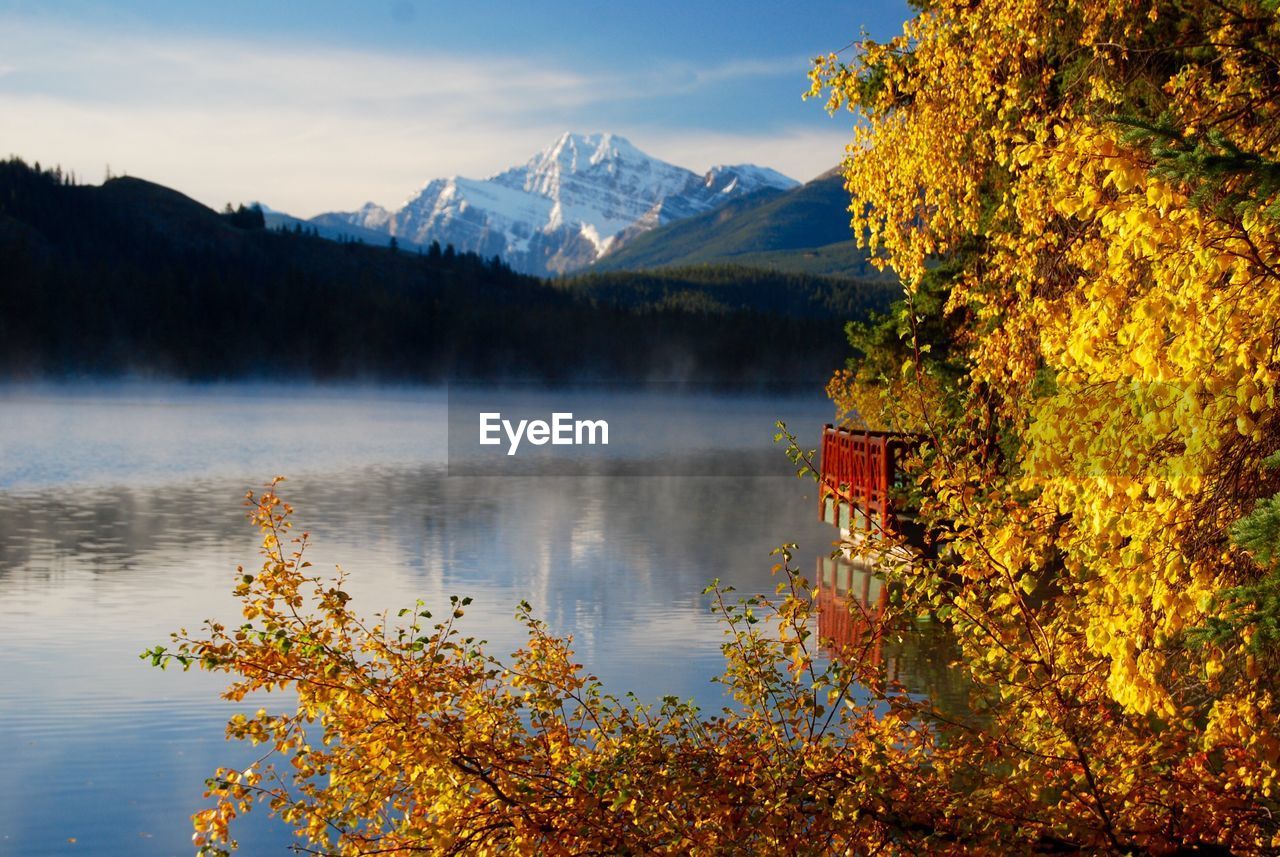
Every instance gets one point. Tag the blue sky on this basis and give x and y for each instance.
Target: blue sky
(321, 106)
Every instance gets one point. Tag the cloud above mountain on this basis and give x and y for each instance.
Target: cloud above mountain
(307, 126)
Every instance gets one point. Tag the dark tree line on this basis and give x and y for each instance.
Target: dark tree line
(131, 277)
(245, 217)
(731, 288)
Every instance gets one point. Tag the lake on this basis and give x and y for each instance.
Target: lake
(121, 520)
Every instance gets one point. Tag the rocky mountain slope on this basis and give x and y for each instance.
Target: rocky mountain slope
(569, 205)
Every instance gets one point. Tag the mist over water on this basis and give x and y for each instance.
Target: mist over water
(121, 520)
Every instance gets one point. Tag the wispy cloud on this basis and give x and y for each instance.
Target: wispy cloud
(748, 69)
(313, 128)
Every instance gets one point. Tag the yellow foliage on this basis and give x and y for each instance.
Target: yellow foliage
(1105, 174)
(415, 740)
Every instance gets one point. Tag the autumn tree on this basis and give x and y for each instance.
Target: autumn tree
(1081, 200)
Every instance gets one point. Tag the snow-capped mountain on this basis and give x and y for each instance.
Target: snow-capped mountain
(566, 207)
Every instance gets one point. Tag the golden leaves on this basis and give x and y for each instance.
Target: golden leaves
(1118, 291)
(411, 739)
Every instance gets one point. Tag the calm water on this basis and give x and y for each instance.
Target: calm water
(120, 520)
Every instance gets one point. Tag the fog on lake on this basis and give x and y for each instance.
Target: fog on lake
(121, 521)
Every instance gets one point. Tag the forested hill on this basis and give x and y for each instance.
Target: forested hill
(805, 230)
(132, 277)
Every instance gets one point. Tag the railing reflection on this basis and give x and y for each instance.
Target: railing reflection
(852, 598)
(854, 622)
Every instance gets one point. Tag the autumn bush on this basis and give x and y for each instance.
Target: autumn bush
(1081, 200)
(408, 738)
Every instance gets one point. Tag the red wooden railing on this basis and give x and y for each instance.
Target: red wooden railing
(860, 468)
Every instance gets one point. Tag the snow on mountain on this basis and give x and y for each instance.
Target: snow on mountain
(566, 207)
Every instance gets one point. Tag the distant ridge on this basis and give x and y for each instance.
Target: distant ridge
(328, 226)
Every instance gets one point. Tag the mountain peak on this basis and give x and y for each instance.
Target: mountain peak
(576, 151)
(574, 154)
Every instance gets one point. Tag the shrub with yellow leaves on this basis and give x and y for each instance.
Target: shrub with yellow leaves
(407, 738)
